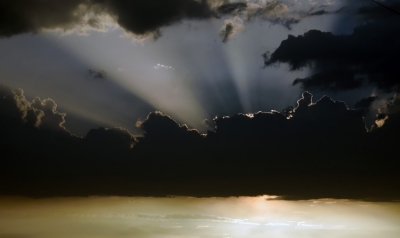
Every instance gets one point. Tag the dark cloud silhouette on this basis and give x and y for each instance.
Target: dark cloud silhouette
(288, 23)
(139, 17)
(208, 123)
(52, 119)
(389, 116)
(103, 144)
(231, 8)
(340, 62)
(227, 32)
(173, 142)
(295, 154)
(21, 16)
(343, 62)
(143, 16)
(365, 104)
(393, 106)
(391, 8)
(312, 12)
(318, 13)
(277, 12)
(34, 142)
(98, 74)
(38, 113)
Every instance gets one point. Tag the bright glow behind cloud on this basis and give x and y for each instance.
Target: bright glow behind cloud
(187, 73)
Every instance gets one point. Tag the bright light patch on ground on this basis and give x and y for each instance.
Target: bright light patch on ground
(194, 217)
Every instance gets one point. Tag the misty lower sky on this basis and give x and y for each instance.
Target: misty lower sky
(196, 217)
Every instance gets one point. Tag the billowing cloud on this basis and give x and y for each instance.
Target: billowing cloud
(38, 113)
(138, 17)
(393, 106)
(277, 12)
(386, 132)
(274, 12)
(32, 133)
(390, 113)
(52, 119)
(365, 104)
(143, 16)
(174, 142)
(231, 27)
(342, 62)
(234, 8)
(22, 16)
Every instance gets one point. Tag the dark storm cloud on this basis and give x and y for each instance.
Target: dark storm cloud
(32, 133)
(159, 126)
(365, 104)
(392, 7)
(393, 106)
(288, 23)
(274, 12)
(389, 116)
(21, 16)
(317, 13)
(386, 132)
(296, 154)
(231, 7)
(144, 16)
(139, 17)
(372, 11)
(165, 141)
(227, 31)
(342, 62)
(279, 13)
(367, 56)
(41, 114)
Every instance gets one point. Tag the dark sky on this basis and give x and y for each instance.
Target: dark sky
(176, 97)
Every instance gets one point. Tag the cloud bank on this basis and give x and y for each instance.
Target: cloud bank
(311, 145)
(137, 17)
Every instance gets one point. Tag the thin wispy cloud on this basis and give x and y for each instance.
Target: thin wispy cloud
(161, 66)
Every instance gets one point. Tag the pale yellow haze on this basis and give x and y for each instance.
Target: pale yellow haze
(196, 217)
